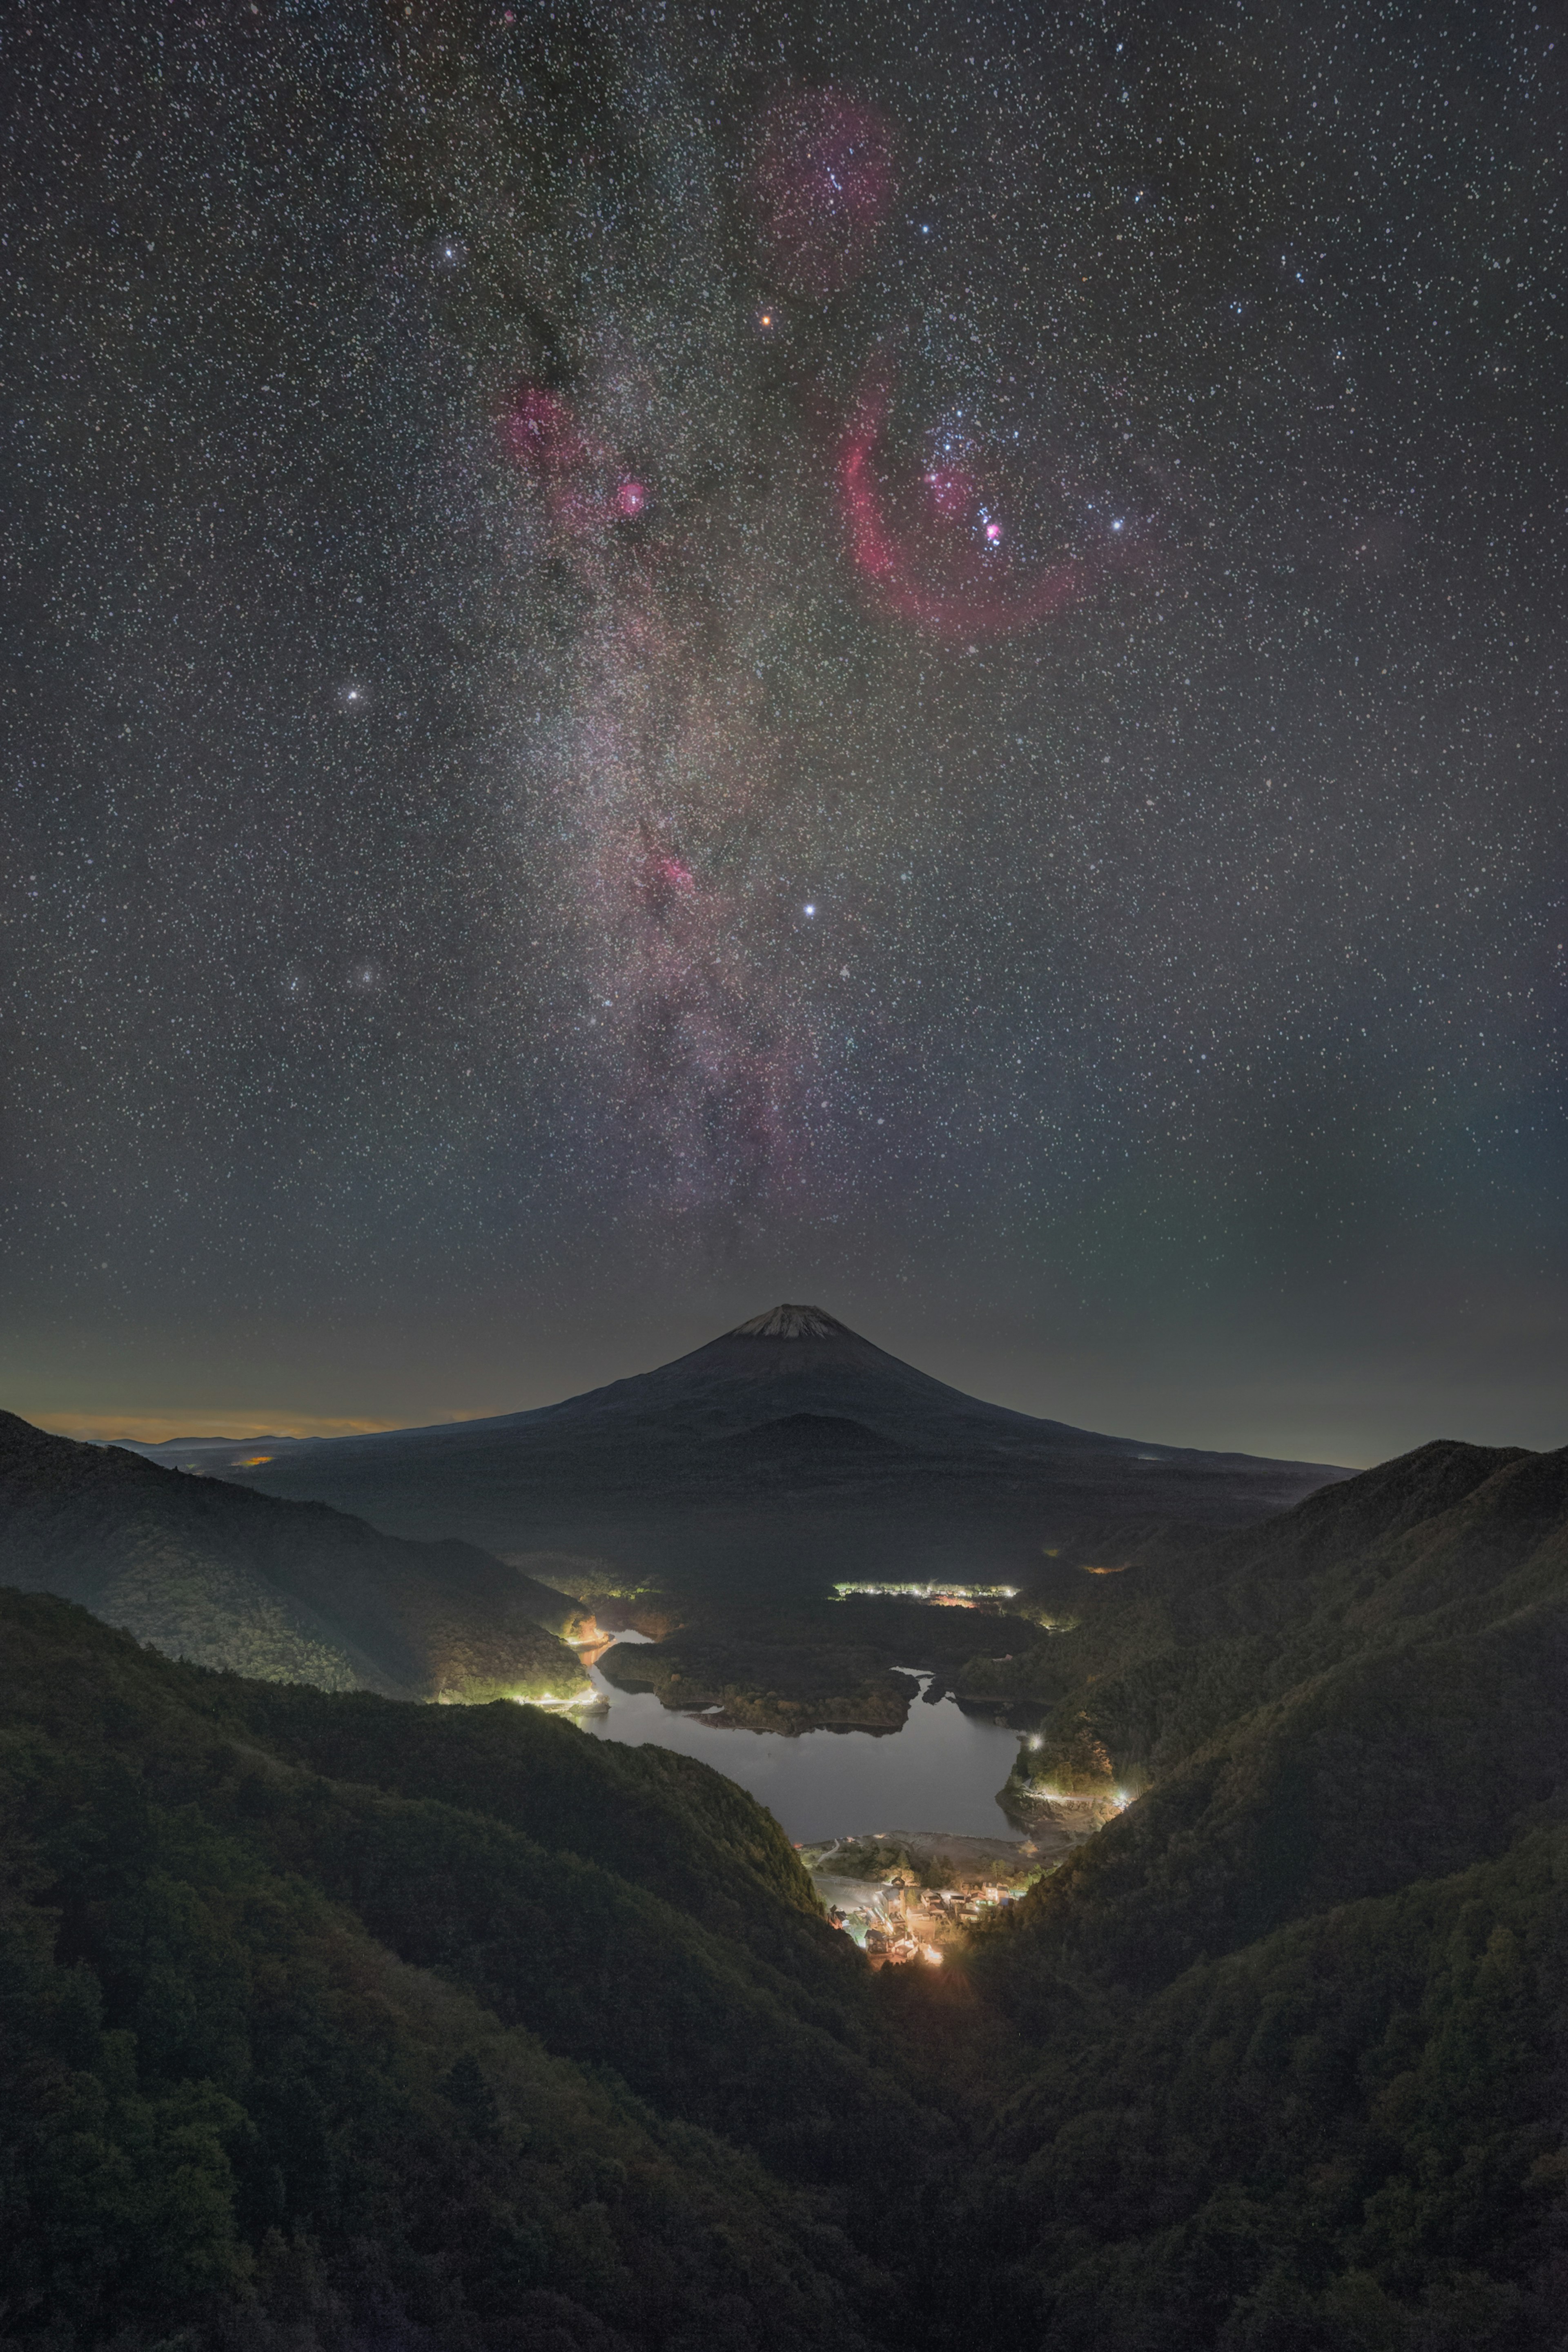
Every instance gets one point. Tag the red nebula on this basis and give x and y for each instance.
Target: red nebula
(822, 183)
(660, 876)
(588, 487)
(543, 432)
(948, 577)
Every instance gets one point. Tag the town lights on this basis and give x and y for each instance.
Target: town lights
(963, 1596)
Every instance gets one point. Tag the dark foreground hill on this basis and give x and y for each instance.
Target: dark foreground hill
(1436, 1551)
(779, 1459)
(1303, 2013)
(292, 1591)
(326, 2022)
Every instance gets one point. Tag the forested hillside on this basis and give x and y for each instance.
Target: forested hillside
(288, 1591)
(1299, 2018)
(330, 2020)
(289, 2057)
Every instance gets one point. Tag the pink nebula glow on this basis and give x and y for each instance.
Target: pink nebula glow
(588, 485)
(542, 432)
(938, 576)
(662, 877)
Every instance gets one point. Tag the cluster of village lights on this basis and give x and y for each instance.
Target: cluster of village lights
(963, 1594)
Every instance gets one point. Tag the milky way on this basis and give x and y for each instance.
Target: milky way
(656, 648)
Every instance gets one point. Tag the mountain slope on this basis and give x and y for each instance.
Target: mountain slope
(294, 1591)
(1365, 1692)
(1345, 2137)
(1440, 1543)
(1301, 2016)
(293, 2060)
(780, 1457)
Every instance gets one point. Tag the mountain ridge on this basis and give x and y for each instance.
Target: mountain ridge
(208, 1569)
(628, 1471)
(814, 1343)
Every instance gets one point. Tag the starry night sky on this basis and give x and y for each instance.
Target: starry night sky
(659, 658)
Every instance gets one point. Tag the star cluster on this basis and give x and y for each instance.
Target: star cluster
(654, 648)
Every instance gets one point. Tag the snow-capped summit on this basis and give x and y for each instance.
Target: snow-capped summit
(792, 1323)
(787, 1452)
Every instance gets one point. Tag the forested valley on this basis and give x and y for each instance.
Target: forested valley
(331, 2019)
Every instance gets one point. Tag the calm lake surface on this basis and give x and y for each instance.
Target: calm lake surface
(940, 1773)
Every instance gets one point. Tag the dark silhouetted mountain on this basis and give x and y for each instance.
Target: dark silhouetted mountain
(209, 1572)
(940, 1482)
(800, 1440)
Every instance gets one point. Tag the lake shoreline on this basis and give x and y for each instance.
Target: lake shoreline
(939, 1763)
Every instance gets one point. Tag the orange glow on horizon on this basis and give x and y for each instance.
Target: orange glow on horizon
(157, 1428)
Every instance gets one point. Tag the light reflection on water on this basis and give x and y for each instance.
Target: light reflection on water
(942, 1772)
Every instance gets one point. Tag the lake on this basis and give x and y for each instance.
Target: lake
(942, 1772)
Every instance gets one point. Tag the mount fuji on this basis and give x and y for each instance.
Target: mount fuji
(786, 1453)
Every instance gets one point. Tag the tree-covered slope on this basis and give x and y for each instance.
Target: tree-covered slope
(1346, 2137)
(1296, 2026)
(290, 2058)
(1193, 1633)
(330, 2020)
(1366, 1691)
(662, 1821)
(291, 1591)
